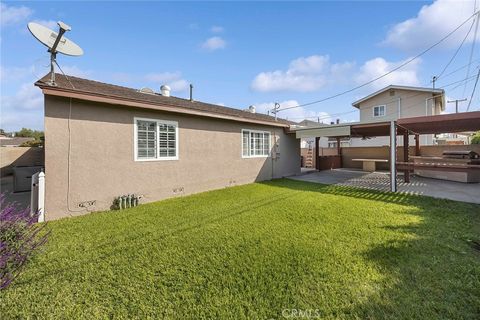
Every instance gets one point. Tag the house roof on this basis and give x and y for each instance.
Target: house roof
(395, 87)
(90, 90)
(310, 123)
(13, 142)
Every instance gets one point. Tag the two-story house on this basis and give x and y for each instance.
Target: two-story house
(394, 102)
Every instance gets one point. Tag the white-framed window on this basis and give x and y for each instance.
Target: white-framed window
(155, 139)
(255, 143)
(379, 111)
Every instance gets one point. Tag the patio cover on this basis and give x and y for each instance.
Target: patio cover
(445, 123)
(329, 131)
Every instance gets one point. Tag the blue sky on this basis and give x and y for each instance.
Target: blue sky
(238, 54)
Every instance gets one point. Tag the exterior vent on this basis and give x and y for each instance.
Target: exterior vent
(165, 90)
(252, 109)
(146, 90)
(392, 93)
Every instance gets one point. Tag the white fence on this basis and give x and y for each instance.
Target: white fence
(37, 200)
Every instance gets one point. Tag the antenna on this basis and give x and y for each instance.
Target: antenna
(275, 109)
(55, 42)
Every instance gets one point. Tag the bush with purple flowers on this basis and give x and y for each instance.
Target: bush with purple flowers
(20, 237)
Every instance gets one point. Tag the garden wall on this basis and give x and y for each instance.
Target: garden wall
(350, 153)
(19, 156)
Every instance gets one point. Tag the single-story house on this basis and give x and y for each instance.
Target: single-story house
(103, 141)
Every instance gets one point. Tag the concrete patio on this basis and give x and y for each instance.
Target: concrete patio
(466, 192)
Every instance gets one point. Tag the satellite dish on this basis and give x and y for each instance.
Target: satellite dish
(48, 38)
(55, 42)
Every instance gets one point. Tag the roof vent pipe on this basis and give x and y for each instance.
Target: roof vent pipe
(191, 92)
(165, 91)
(338, 121)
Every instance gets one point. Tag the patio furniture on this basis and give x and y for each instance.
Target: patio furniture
(370, 164)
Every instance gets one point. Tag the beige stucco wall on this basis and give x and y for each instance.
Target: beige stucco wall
(19, 156)
(101, 164)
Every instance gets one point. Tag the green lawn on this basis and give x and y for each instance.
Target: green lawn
(258, 251)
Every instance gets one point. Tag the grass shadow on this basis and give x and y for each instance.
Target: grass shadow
(434, 269)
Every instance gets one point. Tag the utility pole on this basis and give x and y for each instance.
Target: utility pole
(434, 79)
(456, 103)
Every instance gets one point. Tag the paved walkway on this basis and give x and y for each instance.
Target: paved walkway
(466, 192)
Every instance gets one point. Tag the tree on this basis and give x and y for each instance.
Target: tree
(476, 138)
(29, 133)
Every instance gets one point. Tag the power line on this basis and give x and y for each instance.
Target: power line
(458, 49)
(473, 91)
(460, 82)
(459, 69)
(385, 74)
(473, 45)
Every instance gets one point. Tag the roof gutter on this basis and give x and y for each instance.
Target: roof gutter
(96, 97)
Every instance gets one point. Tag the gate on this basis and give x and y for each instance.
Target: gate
(37, 200)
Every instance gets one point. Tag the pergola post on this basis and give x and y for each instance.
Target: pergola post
(339, 151)
(317, 157)
(417, 144)
(406, 172)
(393, 156)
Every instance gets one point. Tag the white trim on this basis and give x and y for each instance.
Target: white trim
(384, 111)
(256, 131)
(158, 122)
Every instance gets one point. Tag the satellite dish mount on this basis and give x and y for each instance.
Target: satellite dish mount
(55, 42)
(63, 27)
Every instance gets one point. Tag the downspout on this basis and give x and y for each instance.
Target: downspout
(274, 152)
(399, 105)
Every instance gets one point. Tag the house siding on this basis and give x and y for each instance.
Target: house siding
(412, 104)
(100, 164)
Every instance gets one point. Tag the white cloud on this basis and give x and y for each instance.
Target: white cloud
(10, 15)
(378, 66)
(48, 23)
(304, 74)
(432, 23)
(295, 114)
(214, 43)
(163, 76)
(217, 29)
(13, 74)
(28, 97)
(76, 72)
(178, 85)
(172, 79)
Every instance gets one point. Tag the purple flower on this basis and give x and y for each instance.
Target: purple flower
(20, 237)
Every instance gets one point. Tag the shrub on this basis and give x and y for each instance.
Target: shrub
(30, 133)
(32, 143)
(20, 237)
(476, 138)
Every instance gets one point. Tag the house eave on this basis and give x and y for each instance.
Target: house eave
(115, 100)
